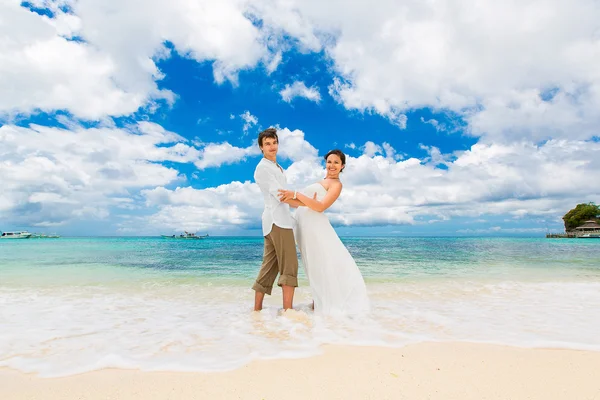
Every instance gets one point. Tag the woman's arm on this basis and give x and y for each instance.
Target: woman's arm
(332, 194)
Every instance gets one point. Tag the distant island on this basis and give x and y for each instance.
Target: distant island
(581, 214)
(581, 222)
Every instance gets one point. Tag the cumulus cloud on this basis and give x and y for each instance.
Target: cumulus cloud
(293, 145)
(511, 69)
(52, 175)
(299, 89)
(186, 208)
(520, 180)
(110, 68)
(370, 149)
(217, 154)
(42, 69)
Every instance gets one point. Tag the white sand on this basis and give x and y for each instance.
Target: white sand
(423, 371)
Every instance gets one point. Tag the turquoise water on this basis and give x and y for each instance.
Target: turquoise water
(70, 305)
(380, 259)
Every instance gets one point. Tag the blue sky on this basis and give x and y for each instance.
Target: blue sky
(114, 122)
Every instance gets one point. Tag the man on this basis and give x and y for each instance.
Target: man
(277, 223)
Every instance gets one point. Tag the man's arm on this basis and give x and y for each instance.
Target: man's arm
(297, 203)
(267, 181)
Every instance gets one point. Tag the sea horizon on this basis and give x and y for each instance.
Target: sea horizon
(527, 236)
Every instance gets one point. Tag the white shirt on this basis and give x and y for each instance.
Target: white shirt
(270, 178)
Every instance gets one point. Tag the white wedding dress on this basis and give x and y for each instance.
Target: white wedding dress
(336, 283)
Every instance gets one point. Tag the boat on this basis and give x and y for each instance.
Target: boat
(589, 236)
(185, 235)
(15, 235)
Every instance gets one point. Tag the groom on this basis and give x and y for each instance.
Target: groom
(280, 247)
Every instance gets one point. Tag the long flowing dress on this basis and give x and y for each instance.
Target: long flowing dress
(336, 283)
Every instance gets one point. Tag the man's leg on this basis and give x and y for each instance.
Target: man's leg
(258, 300)
(287, 259)
(266, 275)
(288, 296)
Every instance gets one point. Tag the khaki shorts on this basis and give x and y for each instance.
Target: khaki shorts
(279, 258)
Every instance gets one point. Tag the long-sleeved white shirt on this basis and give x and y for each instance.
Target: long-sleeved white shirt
(270, 178)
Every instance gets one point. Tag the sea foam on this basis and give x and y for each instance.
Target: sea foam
(64, 330)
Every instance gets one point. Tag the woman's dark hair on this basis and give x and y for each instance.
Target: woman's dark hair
(267, 133)
(340, 154)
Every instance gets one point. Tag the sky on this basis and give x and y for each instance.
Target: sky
(141, 117)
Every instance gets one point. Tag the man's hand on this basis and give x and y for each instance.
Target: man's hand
(285, 195)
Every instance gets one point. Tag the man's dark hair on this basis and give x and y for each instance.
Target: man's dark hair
(267, 133)
(340, 154)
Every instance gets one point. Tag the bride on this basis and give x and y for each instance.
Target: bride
(335, 281)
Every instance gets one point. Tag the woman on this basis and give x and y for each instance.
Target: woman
(336, 283)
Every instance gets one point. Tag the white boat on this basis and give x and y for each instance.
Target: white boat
(15, 235)
(590, 236)
(186, 235)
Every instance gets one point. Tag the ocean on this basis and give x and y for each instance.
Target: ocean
(72, 305)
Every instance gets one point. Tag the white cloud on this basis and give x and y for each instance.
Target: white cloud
(40, 69)
(293, 146)
(396, 118)
(496, 64)
(52, 175)
(435, 123)
(370, 149)
(249, 121)
(112, 70)
(512, 69)
(382, 190)
(229, 206)
(217, 154)
(194, 209)
(274, 63)
(299, 89)
(390, 152)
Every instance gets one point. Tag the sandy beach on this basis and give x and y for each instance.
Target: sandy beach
(422, 371)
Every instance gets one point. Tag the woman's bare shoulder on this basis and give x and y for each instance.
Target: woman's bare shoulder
(333, 183)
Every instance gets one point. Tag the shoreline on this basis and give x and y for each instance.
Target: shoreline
(431, 370)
